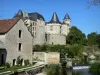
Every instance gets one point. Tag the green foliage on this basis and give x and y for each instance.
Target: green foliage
(75, 50)
(7, 65)
(98, 40)
(92, 38)
(19, 61)
(76, 36)
(37, 48)
(76, 73)
(95, 68)
(53, 69)
(26, 62)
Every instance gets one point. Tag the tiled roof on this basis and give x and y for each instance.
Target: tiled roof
(6, 25)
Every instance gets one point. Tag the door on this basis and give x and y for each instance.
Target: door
(2, 59)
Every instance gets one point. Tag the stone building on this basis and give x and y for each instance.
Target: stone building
(15, 41)
(35, 23)
(56, 31)
(53, 32)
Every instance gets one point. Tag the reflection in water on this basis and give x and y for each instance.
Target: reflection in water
(82, 72)
(76, 72)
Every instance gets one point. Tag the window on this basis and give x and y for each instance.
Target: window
(19, 47)
(60, 29)
(51, 28)
(33, 28)
(20, 33)
(35, 34)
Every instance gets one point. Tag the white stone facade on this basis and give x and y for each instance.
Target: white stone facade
(42, 31)
(50, 33)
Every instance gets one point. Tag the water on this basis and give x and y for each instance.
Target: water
(76, 72)
(81, 72)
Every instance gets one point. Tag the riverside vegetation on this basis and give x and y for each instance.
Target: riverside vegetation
(76, 43)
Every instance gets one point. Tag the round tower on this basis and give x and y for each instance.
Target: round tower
(53, 27)
(65, 25)
(67, 19)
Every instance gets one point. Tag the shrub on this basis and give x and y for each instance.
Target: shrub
(26, 62)
(19, 61)
(95, 68)
(7, 65)
(53, 69)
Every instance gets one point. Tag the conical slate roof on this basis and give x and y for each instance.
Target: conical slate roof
(54, 18)
(19, 14)
(66, 16)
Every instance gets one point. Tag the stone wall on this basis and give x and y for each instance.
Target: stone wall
(12, 41)
(47, 57)
(56, 39)
(53, 57)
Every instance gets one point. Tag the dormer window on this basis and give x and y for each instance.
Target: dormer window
(20, 32)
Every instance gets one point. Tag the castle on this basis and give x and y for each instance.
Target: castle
(19, 34)
(53, 32)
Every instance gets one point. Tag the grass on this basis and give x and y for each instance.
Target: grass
(17, 68)
(14, 68)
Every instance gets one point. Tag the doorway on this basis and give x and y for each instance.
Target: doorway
(2, 59)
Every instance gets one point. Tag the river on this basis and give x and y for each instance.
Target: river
(76, 72)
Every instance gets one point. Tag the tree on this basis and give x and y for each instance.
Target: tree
(93, 3)
(76, 36)
(98, 40)
(75, 50)
(92, 39)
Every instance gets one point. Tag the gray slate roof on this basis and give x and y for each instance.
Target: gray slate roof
(54, 19)
(66, 16)
(34, 16)
(19, 14)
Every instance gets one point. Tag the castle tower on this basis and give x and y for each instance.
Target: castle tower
(53, 33)
(65, 25)
(53, 27)
(19, 14)
(67, 19)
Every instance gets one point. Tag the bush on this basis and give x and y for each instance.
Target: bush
(7, 65)
(19, 61)
(26, 62)
(95, 68)
(53, 69)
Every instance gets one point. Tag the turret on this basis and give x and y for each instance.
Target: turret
(53, 26)
(65, 25)
(67, 19)
(19, 14)
(54, 18)
(25, 14)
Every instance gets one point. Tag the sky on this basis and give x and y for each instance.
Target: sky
(84, 18)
